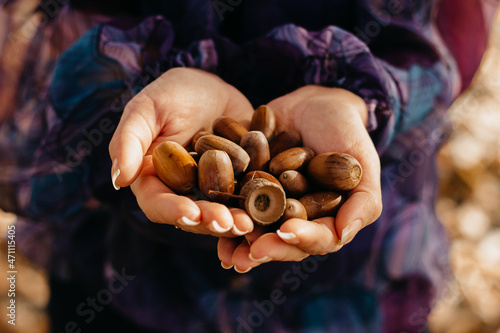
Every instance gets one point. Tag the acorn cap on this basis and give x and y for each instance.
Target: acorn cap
(265, 201)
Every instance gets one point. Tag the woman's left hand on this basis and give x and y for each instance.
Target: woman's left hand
(329, 120)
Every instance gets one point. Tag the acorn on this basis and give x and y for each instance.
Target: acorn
(335, 171)
(195, 156)
(229, 128)
(264, 201)
(284, 140)
(293, 209)
(197, 136)
(175, 167)
(291, 159)
(256, 146)
(264, 120)
(294, 183)
(239, 157)
(258, 174)
(321, 204)
(215, 173)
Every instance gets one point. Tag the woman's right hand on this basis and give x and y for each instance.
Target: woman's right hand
(174, 107)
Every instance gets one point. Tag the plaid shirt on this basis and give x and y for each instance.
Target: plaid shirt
(80, 71)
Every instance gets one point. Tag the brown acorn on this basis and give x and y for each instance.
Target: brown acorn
(264, 201)
(294, 209)
(284, 140)
(175, 167)
(291, 159)
(229, 128)
(294, 183)
(215, 173)
(239, 157)
(335, 171)
(264, 120)
(258, 174)
(256, 146)
(321, 204)
(197, 136)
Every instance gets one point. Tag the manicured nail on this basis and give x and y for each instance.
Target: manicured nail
(218, 228)
(263, 259)
(115, 173)
(242, 272)
(190, 223)
(225, 267)
(286, 235)
(238, 232)
(350, 231)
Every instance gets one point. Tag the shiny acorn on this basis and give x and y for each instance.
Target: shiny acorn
(321, 204)
(294, 183)
(229, 128)
(215, 173)
(197, 136)
(175, 167)
(284, 140)
(256, 146)
(239, 157)
(258, 174)
(264, 120)
(291, 159)
(294, 209)
(335, 171)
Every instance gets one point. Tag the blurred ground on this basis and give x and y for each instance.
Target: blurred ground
(468, 205)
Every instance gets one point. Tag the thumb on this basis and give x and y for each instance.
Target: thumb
(132, 138)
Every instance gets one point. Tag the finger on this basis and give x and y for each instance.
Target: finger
(132, 138)
(215, 218)
(361, 209)
(255, 234)
(270, 247)
(314, 237)
(243, 224)
(158, 202)
(225, 250)
(241, 258)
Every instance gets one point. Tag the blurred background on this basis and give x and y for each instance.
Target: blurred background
(468, 205)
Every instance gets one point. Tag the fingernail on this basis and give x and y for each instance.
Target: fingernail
(238, 232)
(225, 267)
(218, 228)
(115, 173)
(263, 259)
(286, 235)
(350, 231)
(242, 272)
(190, 223)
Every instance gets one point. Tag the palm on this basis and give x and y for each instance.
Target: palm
(328, 120)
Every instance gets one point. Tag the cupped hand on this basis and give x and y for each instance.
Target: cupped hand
(174, 107)
(329, 120)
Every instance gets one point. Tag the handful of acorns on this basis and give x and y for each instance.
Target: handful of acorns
(272, 176)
